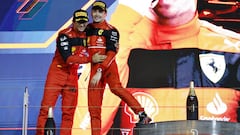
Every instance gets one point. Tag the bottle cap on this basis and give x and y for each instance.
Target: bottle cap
(191, 84)
(50, 112)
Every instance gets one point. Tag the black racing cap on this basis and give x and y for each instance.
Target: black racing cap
(80, 16)
(99, 5)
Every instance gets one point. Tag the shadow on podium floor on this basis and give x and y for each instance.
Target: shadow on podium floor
(188, 127)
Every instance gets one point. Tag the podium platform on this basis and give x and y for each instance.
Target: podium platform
(188, 127)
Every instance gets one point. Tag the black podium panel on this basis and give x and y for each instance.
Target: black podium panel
(188, 127)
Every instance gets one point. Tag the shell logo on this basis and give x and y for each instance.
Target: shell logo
(148, 102)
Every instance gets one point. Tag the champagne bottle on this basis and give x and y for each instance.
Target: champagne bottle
(192, 103)
(50, 127)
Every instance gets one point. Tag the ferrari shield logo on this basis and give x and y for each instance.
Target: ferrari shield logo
(213, 66)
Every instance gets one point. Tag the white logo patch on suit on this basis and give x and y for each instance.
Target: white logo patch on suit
(213, 66)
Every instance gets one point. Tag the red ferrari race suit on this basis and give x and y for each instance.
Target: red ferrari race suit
(162, 60)
(103, 38)
(62, 78)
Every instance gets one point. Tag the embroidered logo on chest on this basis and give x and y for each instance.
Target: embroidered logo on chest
(99, 41)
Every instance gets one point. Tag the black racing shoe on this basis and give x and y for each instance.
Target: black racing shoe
(143, 118)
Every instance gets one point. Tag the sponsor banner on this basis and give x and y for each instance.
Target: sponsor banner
(170, 104)
(161, 104)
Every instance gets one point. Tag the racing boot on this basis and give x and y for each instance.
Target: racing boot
(143, 118)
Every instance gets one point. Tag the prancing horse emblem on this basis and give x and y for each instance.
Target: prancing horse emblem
(213, 66)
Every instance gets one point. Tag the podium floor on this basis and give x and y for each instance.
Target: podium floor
(188, 127)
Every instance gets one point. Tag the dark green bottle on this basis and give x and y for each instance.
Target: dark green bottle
(192, 103)
(50, 126)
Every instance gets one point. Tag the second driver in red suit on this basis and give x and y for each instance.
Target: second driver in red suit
(62, 78)
(103, 38)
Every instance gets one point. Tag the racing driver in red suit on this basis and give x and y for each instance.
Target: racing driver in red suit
(62, 76)
(103, 38)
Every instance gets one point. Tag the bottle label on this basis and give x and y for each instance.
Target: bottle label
(192, 108)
